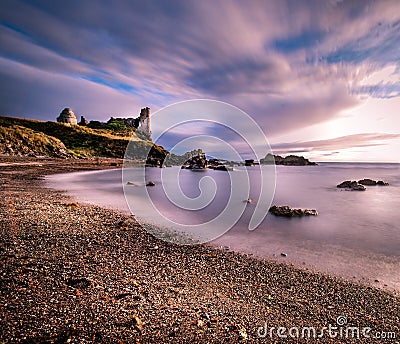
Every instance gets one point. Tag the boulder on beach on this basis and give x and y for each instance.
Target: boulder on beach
(351, 185)
(287, 211)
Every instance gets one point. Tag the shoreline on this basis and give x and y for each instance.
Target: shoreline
(81, 272)
(362, 266)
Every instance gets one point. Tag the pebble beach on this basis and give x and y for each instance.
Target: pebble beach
(77, 273)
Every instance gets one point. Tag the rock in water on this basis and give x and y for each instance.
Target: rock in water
(346, 184)
(198, 162)
(357, 187)
(382, 183)
(351, 185)
(367, 181)
(287, 211)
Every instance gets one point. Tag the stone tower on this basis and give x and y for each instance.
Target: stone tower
(144, 121)
(67, 116)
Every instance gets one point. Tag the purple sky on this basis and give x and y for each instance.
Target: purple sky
(321, 78)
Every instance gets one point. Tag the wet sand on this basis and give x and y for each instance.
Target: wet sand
(79, 273)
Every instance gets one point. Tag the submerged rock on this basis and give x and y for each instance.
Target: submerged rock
(287, 211)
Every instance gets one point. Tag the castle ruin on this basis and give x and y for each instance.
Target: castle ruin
(67, 116)
(140, 123)
(144, 121)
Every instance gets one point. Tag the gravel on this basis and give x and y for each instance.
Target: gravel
(74, 273)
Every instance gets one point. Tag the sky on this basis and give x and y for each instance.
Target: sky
(321, 78)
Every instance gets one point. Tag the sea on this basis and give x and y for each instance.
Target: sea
(355, 236)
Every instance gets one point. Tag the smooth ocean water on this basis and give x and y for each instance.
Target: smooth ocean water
(356, 234)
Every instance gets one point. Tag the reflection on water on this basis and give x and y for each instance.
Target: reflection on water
(356, 233)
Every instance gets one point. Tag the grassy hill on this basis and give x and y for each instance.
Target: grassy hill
(32, 137)
(18, 140)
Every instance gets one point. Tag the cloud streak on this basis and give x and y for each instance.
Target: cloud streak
(336, 144)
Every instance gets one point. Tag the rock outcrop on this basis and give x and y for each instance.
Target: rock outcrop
(198, 162)
(351, 185)
(287, 211)
(290, 160)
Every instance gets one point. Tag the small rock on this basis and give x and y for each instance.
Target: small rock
(137, 323)
(150, 183)
(72, 205)
(79, 282)
(283, 254)
(242, 334)
(122, 296)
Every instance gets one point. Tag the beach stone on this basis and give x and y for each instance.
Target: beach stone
(81, 283)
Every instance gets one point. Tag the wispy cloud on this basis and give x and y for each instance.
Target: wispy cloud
(336, 144)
